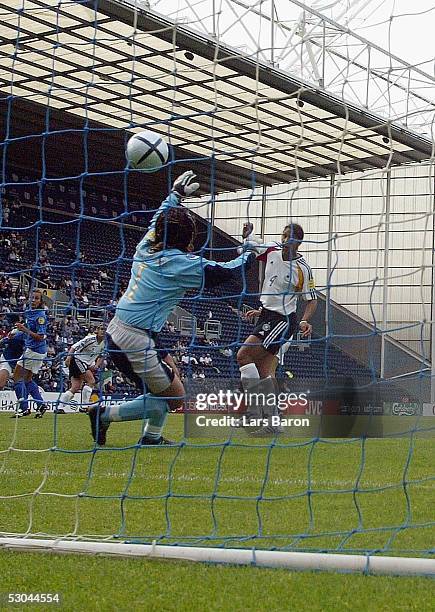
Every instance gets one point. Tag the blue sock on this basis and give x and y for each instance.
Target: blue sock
(33, 390)
(21, 393)
(145, 407)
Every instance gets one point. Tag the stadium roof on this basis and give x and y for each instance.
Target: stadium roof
(127, 69)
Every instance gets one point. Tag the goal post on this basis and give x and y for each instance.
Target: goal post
(296, 561)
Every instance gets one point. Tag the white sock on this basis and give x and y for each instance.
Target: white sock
(249, 375)
(66, 397)
(86, 395)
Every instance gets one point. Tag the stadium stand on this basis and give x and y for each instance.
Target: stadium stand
(92, 278)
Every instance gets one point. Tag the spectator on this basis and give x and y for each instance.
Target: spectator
(95, 285)
(227, 352)
(13, 256)
(4, 324)
(6, 213)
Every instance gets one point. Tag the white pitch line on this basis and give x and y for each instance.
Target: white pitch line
(426, 484)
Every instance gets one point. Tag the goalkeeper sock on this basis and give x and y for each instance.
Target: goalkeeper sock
(21, 393)
(156, 421)
(33, 390)
(143, 407)
(66, 397)
(86, 395)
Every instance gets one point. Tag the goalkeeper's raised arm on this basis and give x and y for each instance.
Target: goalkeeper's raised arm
(165, 266)
(184, 186)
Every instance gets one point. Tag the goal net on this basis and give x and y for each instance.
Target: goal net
(285, 117)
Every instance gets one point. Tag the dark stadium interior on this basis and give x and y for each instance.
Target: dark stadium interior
(57, 144)
(96, 254)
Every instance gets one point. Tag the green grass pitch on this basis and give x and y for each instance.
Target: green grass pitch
(299, 495)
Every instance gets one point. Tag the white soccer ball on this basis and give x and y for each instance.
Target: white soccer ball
(147, 151)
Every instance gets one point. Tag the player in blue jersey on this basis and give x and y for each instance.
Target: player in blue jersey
(163, 269)
(12, 347)
(35, 351)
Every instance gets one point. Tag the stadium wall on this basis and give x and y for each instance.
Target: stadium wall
(358, 251)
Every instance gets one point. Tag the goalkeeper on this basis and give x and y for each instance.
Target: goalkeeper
(163, 269)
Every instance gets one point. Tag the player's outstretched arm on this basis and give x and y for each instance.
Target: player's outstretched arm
(201, 273)
(183, 187)
(217, 273)
(214, 273)
(253, 243)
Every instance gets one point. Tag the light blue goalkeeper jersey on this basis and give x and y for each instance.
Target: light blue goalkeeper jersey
(159, 280)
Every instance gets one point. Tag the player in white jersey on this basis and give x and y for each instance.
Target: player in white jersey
(83, 356)
(287, 278)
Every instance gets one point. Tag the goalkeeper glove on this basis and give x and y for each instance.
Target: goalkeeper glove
(184, 186)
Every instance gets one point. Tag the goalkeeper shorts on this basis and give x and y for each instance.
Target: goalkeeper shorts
(134, 353)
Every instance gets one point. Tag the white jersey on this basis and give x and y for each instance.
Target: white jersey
(285, 281)
(88, 349)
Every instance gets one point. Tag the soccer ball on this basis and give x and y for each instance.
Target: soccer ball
(147, 151)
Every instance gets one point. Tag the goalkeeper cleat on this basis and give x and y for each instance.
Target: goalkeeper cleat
(40, 411)
(98, 427)
(146, 441)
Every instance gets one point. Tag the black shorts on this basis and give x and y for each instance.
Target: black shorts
(77, 367)
(274, 329)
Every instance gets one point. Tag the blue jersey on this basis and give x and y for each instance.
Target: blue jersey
(159, 280)
(37, 322)
(13, 348)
